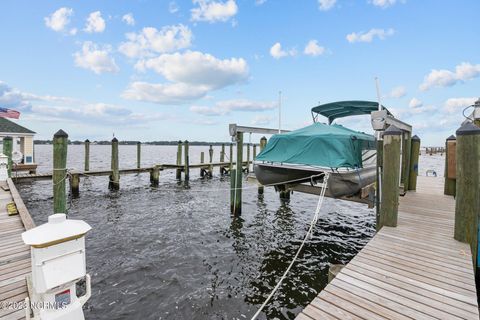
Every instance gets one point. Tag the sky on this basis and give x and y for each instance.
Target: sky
(167, 70)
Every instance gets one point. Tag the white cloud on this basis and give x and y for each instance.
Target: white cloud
(415, 103)
(325, 5)
(446, 78)
(277, 52)
(58, 20)
(370, 35)
(150, 41)
(313, 49)
(383, 3)
(95, 58)
(173, 7)
(95, 22)
(453, 105)
(197, 68)
(260, 2)
(397, 92)
(191, 74)
(227, 106)
(213, 11)
(128, 19)
(261, 120)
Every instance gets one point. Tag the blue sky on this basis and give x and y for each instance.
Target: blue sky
(164, 70)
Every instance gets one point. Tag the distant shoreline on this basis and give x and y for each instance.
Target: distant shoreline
(154, 143)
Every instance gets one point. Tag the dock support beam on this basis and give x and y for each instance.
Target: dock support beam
(379, 180)
(114, 183)
(202, 160)
(263, 143)
(179, 160)
(155, 175)
(59, 176)
(414, 157)
(247, 169)
(237, 194)
(467, 202)
(74, 180)
(139, 154)
(450, 166)
(210, 167)
(392, 138)
(87, 155)
(406, 149)
(186, 169)
(222, 158)
(7, 150)
(231, 158)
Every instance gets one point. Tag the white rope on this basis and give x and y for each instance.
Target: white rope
(309, 232)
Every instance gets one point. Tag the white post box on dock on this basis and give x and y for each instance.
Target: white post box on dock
(58, 263)
(3, 167)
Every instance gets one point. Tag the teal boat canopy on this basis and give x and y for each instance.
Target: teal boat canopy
(332, 146)
(341, 109)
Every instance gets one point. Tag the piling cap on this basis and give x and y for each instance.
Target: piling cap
(87, 140)
(8, 138)
(451, 138)
(468, 129)
(58, 229)
(415, 138)
(392, 131)
(60, 134)
(186, 141)
(115, 139)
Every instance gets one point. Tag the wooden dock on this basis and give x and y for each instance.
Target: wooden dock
(14, 255)
(413, 271)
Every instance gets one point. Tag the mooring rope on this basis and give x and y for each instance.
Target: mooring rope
(309, 233)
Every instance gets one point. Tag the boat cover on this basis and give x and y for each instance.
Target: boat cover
(332, 146)
(339, 109)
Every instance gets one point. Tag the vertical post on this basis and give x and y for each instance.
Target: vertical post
(379, 179)
(450, 166)
(7, 150)
(210, 153)
(139, 154)
(390, 177)
(263, 143)
(233, 176)
(186, 169)
(254, 151)
(202, 160)
(179, 160)
(414, 157)
(407, 145)
(155, 175)
(467, 201)
(74, 180)
(59, 177)
(114, 183)
(237, 206)
(231, 158)
(87, 155)
(222, 159)
(248, 158)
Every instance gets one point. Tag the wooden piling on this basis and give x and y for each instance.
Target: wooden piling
(414, 157)
(222, 158)
(263, 143)
(74, 181)
(155, 175)
(114, 183)
(139, 154)
(390, 177)
(379, 180)
(406, 149)
(467, 201)
(233, 176)
(87, 155)
(231, 158)
(59, 177)
(7, 150)
(186, 169)
(202, 160)
(247, 169)
(254, 151)
(178, 174)
(450, 166)
(210, 154)
(237, 196)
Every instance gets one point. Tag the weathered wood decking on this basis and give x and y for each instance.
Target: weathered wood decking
(414, 271)
(14, 255)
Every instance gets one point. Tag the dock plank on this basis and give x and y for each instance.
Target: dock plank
(416, 270)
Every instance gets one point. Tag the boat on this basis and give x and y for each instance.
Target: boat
(306, 154)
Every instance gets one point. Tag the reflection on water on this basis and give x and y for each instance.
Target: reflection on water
(174, 251)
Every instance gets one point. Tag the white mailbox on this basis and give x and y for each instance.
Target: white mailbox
(58, 262)
(3, 167)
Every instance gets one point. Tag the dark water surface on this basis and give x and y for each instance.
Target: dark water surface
(174, 251)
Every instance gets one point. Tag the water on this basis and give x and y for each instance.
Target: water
(174, 252)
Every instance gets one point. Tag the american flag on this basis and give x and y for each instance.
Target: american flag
(9, 113)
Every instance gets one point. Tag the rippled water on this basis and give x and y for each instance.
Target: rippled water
(174, 251)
